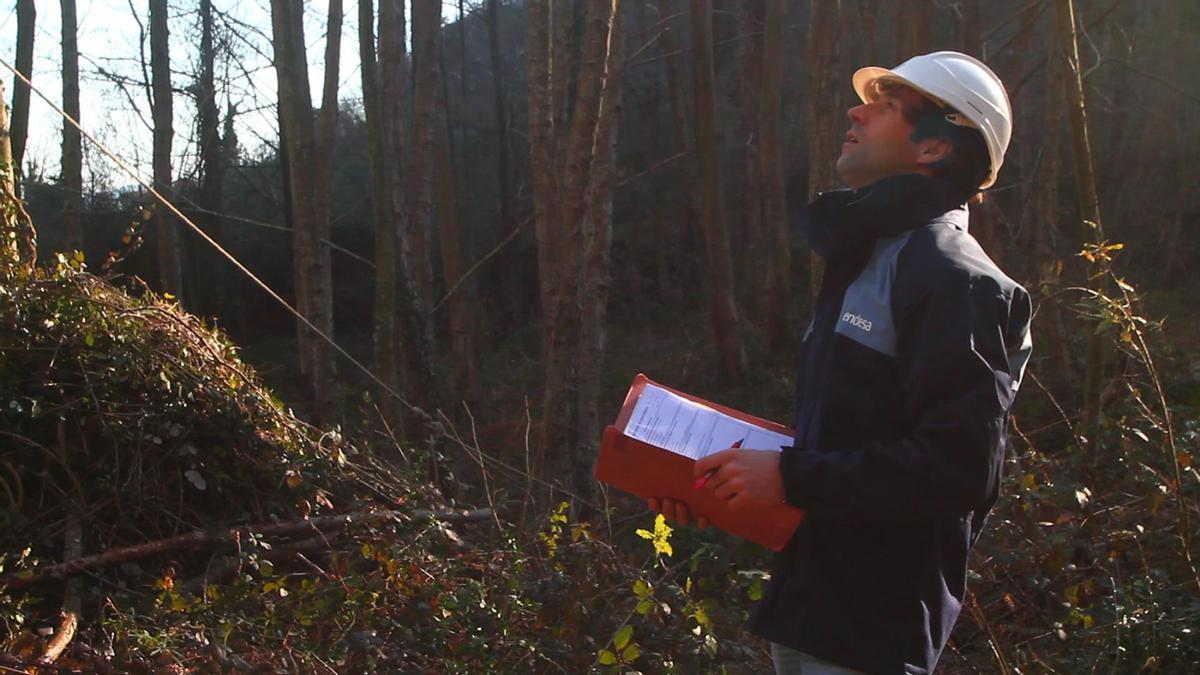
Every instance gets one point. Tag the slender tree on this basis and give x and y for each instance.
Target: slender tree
(426, 33)
(507, 218)
(212, 271)
(327, 118)
(912, 28)
(823, 117)
(731, 356)
(596, 238)
(170, 265)
(1092, 232)
(417, 378)
(560, 204)
(672, 58)
(386, 242)
(26, 21)
(311, 264)
(462, 323)
(755, 249)
(72, 144)
(779, 263)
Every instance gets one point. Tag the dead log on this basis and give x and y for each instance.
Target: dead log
(320, 526)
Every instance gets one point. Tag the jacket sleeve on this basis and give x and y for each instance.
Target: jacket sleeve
(961, 348)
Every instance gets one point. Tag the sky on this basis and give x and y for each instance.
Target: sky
(119, 116)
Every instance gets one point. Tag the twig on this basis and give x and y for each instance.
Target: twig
(977, 613)
(197, 539)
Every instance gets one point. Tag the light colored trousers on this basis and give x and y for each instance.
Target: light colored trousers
(789, 661)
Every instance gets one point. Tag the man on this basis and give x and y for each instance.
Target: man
(906, 377)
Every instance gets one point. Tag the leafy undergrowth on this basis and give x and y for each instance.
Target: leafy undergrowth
(127, 422)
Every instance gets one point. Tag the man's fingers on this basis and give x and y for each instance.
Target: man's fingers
(702, 522)
(652, 504)
(713, 461)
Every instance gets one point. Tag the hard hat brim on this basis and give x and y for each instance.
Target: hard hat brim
(864, 77)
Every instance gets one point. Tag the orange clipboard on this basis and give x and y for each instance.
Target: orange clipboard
(646, 470)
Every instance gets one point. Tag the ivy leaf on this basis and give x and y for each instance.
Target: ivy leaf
(606, 658)
(622, 637)
(632, 652)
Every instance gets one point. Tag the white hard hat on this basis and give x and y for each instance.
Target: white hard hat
(960, 82)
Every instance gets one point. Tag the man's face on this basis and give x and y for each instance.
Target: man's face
(878, 143)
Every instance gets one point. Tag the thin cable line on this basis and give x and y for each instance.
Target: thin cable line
(259, 282)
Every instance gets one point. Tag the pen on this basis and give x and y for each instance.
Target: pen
(701, 481)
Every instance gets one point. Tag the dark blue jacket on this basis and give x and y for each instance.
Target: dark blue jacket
(906, 378)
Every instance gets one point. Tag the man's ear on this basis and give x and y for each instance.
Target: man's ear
(933, 150)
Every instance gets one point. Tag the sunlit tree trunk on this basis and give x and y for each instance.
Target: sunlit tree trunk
(561, 199)
(1092, 232)
(170, 267)
(596, 273)
(731, 355)
(310, 256)
(72, 146)
(19, 127)
(18, 240)
(823, 118)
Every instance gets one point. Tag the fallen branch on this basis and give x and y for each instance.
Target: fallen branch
(63, 635)
(198, 539)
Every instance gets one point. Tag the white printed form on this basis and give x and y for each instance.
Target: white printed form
(670, 421)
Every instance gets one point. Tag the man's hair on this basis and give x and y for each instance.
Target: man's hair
(968, 164)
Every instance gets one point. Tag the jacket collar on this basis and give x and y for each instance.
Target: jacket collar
(844, 220)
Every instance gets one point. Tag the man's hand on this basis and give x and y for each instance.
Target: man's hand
(743, 477)
(673, 510)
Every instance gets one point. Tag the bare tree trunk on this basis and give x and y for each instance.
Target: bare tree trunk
(327, 118)
(311, 256)
(502, 276)
(426, 32)
(870, 16)
(682, 259)
(1092, 232)
(912, 28)
(596, 273)
(211, 272)
(462, 317)
(779, 262)
(72, 145)
(507, 219)
(384, 320)
(417, 378)
(822, 118)
(170, 264)
(755, 250)
(983, 225)
(560, 204)
(730, 353)
(17, 249)
(26, 21)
